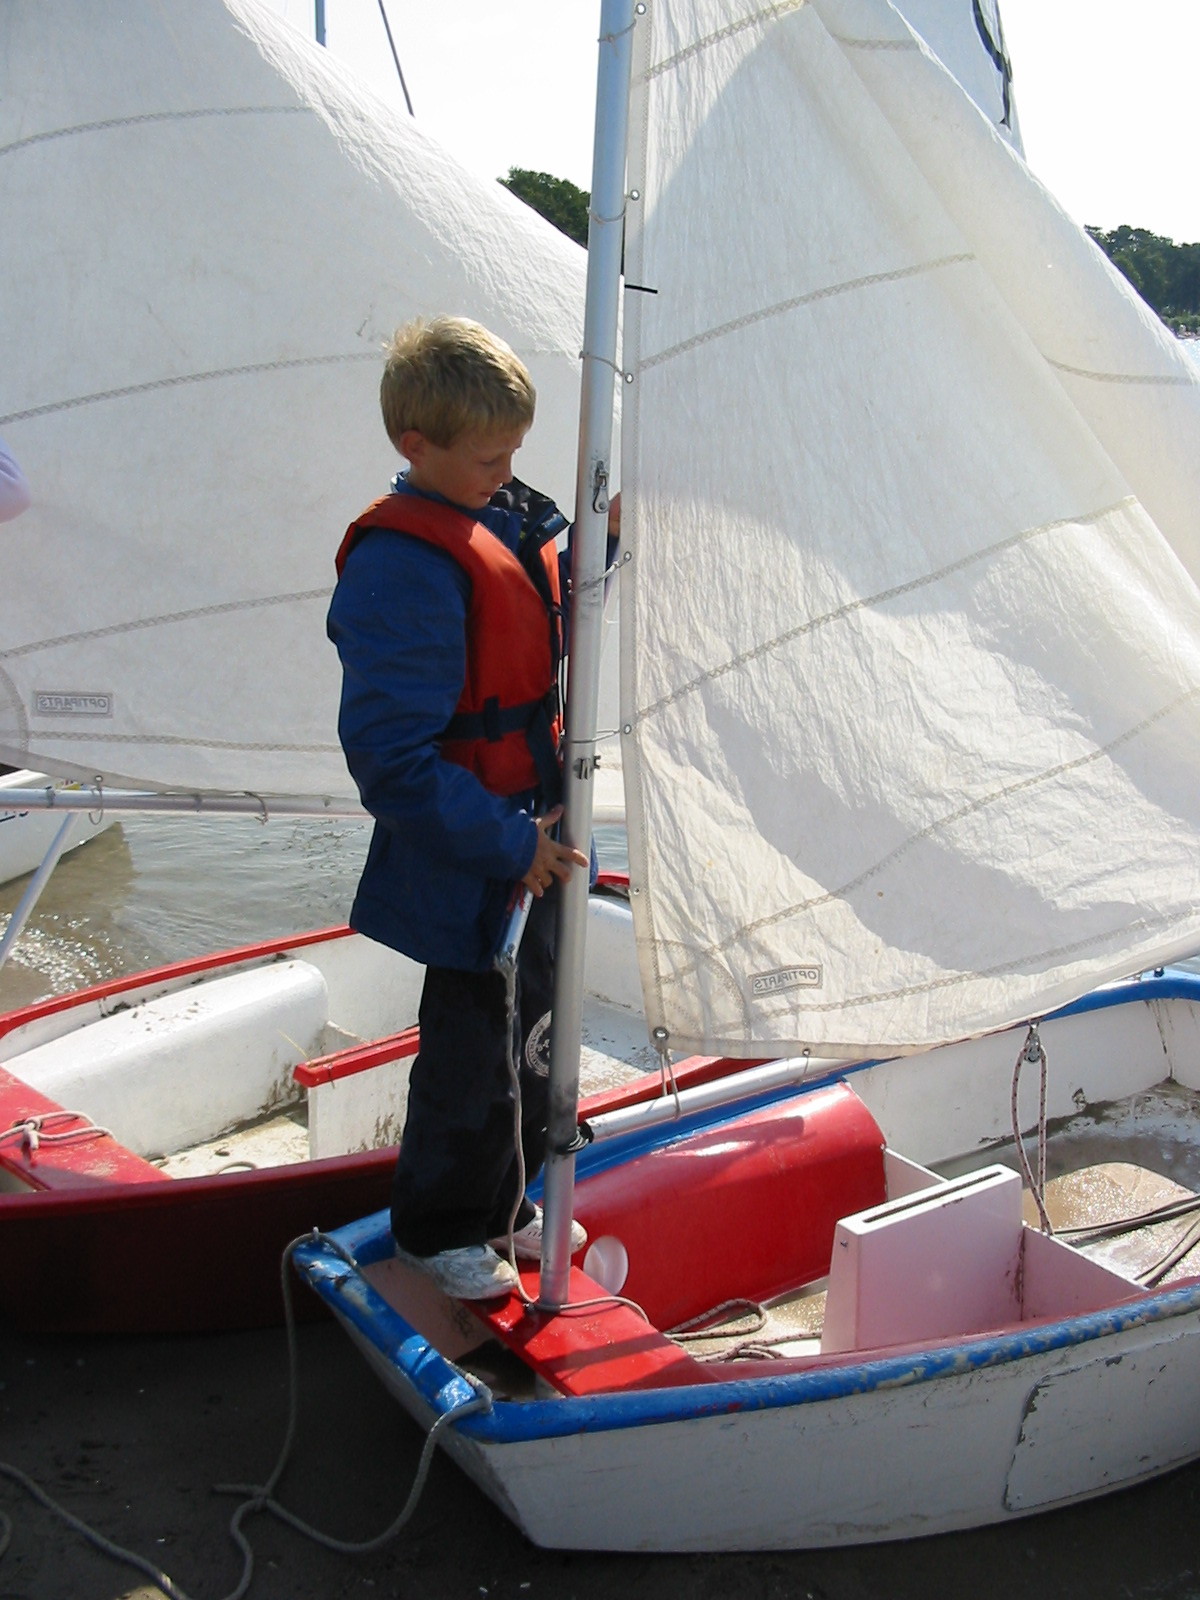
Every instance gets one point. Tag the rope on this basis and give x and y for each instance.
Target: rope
(1184, 1246)
(508, 970)
(666, 1072)
(1032, 1051)
(701, 1327)
(260, 1497)
(32, 1131)
(1087, 1233)
(107, 1547)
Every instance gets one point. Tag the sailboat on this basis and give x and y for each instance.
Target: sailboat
(910, 714)
(210, 228)
(195, 456)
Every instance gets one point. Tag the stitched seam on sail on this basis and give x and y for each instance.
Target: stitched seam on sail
(975, 806)
(767, 14)
(182, 739)
(1126, 377)
(153, 116)
(783, 306)
(874, 44)
(872, 600)
(137, 623)
(187, 377)
(940, 825)
(1139, 925)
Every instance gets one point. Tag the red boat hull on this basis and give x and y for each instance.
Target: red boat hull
(191, 1255)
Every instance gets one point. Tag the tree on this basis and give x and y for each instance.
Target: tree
(1165, 274)
(556, 199)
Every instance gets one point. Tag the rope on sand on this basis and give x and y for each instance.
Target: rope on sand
(259, 1497)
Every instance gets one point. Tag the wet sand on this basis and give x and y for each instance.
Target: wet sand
(131, 1434)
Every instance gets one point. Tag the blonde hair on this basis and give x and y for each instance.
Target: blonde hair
(450, 376)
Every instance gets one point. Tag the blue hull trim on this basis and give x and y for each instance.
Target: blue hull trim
(442, 1387)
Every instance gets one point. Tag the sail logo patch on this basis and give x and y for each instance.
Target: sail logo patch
(71, 703)
(764, 984)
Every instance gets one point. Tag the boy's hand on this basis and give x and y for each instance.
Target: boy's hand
(551, 860)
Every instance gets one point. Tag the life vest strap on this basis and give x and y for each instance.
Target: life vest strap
(534, 718)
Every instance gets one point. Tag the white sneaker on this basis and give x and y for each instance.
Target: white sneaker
(527, 1241)
(475, 1272)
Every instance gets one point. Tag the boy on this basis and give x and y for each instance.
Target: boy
(448, 621)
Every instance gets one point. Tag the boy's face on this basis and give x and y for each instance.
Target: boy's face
(467, 472)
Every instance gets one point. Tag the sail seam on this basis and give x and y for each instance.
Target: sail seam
(783, 306)
(188, 377)
(880, 598)
(139, 623)
(1141, 925)
(767, 14)
(183, 739)
(151, 116)
(874, 44)
(1037, 958)
(940, 825)
(1125, 377)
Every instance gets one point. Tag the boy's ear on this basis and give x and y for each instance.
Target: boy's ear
(413, 446)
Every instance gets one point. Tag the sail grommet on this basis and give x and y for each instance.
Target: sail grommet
(660, 1037)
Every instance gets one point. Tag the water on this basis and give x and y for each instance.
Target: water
(156, 889)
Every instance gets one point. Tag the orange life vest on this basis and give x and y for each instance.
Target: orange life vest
(507, 724)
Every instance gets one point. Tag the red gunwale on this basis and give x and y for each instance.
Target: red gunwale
(234, 956)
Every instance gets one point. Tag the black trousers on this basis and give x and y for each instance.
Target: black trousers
(457, 1174)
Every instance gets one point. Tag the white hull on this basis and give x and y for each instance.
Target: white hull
(1093, 1385)
(954, 1450)
(25, 836)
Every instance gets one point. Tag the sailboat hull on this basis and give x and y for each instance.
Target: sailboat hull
(215, 1109)
(25, 836)
(898, 1449)
(970, 1371)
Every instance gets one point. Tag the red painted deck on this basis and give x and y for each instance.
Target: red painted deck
(592, 1349)
(90, 1157)
(746, 1210)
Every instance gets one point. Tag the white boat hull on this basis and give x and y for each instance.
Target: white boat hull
(1097, 1387)
(25, 836)
(929, 1445)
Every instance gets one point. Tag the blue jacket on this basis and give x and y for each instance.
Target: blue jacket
(445, 853)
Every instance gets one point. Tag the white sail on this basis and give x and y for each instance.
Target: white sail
(209, 228)
(911, 687)
(967, 36)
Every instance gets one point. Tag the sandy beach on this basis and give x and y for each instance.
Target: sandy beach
(131, 1435)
